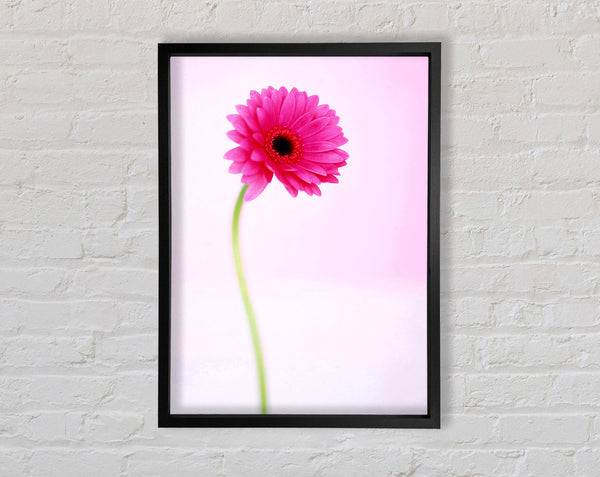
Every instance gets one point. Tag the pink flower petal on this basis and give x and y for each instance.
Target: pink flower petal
(307, 176)
(319, 146)
(339, 140)
(248, 144)
(235, 136)
(294, 181)
(343, 154)
(311, 102)
(331, 179)
(315, 189)
(322, 157)
(302, 121)
(268, 174)
(287, 110)
(236, 167)
(277, 100)
(254, 190)
(256, 97)
(300, 103)
(259, 155)
(328, 133)
(251, 167)
(313, 127)
(248, 116)
(321, 110)
(312, 167)
(237, 154)
(293, 192)
(264, 119)
(238, 123)
(271, 110)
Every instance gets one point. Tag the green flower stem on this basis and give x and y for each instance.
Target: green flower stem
(237, 257)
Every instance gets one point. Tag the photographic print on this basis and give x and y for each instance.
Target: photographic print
(299, 223)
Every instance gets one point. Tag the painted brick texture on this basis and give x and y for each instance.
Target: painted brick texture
(520, 240)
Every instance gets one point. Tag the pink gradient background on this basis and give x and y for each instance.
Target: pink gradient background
(338, 282)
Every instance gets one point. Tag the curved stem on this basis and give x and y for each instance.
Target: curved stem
(237, 257)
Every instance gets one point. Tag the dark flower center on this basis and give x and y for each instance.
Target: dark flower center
(283, 146)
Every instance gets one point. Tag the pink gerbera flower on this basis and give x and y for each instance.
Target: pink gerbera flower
(286, 133)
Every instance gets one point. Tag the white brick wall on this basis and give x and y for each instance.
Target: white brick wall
(520, 240)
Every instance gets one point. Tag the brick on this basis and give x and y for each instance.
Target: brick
(532, 429)
(130, 392)
(57, 392)
(547, 128)
(379, 17)
(523, 18)
(189, 15)
(72, 168)
(593, 128)
(106, 243)
(489, 172)
(295, 16)
(522, 53)
(586, 50)
(41, 207)
(98, 128)
(559, 89)
(517, 313)
(468, 462)
(142, 206)
(572, 313)
(34, 126)
(87, 14)
(468, 132)
(104, 52)
(135, 349)
(14, 462)
(44, 87)
(549, 462)
(577, 389)
(105, 87)
(41, 15)
(107, 426)
(105, 208)
(347, 462)
(133, 18)
(430, 16)
(508, 391)
(473, 311)
(551, 206)
(92, 315)
(38, 51)
(30, 281)
(107, 282)
(537, 351)
(75, 463)
(24, 244)
(473, 94)
(587, 462)
(570, 167)
(14, 168)
(160, 460)
(35, 351)
(137, 315)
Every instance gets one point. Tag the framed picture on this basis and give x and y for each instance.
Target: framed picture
(299, 235)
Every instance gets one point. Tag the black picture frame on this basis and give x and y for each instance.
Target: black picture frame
(431, 50)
